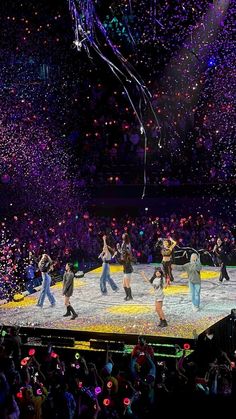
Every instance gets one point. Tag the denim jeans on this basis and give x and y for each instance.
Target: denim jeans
(45, 291)
(106, 277)
(195, 293)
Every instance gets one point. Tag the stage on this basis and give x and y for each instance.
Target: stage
(111, 315)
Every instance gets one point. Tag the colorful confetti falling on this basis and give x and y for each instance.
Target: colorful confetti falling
(67, 119)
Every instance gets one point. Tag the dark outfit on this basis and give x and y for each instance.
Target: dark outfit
(67, 291)
(221, 252)
(125, 248)
(68, 284)
(127, 267)
(127, 270)
(206, 352)
(167, 265)
(12, 345)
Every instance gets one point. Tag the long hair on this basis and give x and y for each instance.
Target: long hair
(71, 266)
(111, 250)
(48, 259)
(126, 257)
(194, 256)
(154, 276)
(126, 238)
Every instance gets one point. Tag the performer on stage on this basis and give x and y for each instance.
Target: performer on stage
(45, 266)
(127, 269)
(125, 245)
(158, 282)
(125, 259)
(221, 252)
(106, 257)
(67, 291)
(193, 269)
(167, 251)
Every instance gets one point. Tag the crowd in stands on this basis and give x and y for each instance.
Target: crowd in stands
(41, 383)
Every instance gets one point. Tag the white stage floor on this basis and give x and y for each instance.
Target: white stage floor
(111, 314)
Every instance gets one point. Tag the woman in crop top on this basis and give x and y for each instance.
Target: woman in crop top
(167, 251)
(106, 257)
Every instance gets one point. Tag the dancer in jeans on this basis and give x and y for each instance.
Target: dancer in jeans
(193, 269)
(106, 257)
(45, 266)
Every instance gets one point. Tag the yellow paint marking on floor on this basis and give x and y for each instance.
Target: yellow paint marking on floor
(28, 301)
(172, 289)
(204, 275)
(209, 274)
(113, 268)
(130, 309)
(176, 289)
(77, 284)
(105, 328)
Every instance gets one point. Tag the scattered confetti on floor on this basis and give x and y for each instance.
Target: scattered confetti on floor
(111, 314)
